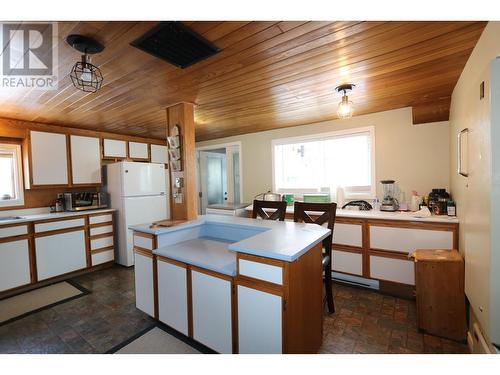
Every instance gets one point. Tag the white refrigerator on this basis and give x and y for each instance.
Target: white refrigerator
(138, 191)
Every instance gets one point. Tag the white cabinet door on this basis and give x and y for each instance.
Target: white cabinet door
(408, 240)
(159, 154)
(60, 253)
(390, 269)
(49, 159)
(113, 148)
(85, 160)
(348, 234)
(259, 321)
(347, 262)
(144, 296)
(138, 150)
(212, 312)
(14, 264)
(172, 296)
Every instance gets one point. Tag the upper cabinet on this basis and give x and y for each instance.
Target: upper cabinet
(159, 154)
(113, 148)
(85, 160)
(48, 159)
(138, 150)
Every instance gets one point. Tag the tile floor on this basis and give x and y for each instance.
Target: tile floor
(364, 322)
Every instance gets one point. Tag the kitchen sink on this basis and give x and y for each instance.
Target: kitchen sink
(5, 218)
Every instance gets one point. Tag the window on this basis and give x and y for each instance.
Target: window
(11, 187)
(326, 161)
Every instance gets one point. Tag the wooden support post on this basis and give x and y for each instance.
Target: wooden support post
(182, 116)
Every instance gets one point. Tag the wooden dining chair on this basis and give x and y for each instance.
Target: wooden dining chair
(326, 213)
(260, 206)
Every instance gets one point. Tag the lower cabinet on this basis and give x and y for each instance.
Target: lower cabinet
(259, 321)
(61, 253)
(211, 301)
(144, 294)
(172, 295)
(14, 264)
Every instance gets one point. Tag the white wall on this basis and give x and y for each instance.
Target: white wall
(416, 156)
(475, 203)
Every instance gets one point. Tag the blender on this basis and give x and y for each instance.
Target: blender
(389, 203)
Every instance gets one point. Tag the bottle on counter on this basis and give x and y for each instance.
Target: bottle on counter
(451, 208)
(423, 204)
(376, 204)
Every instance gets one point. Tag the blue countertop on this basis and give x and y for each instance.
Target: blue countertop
(285, 241)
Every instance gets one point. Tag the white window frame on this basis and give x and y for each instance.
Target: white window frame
(19, 186)
(349, 192)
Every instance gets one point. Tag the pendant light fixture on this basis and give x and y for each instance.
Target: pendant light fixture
(345, 109)
(84, 75)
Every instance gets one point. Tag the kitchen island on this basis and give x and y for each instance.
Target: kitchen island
(234, 284)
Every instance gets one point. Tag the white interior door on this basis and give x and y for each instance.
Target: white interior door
(213, 178)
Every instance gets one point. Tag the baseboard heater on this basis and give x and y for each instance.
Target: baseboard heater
(355, 280)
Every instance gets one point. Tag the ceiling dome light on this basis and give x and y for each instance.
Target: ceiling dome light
(345, 108)
(84, 75)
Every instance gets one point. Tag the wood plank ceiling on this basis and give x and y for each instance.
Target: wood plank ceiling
(268, 75)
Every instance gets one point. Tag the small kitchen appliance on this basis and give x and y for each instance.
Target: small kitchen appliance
(84, 200)
(269, 196)
(389, 203)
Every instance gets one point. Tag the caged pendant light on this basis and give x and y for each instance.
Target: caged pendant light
(345, 108)
(84, 75)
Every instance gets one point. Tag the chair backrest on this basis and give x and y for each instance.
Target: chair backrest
(326, 214)
(260, 206)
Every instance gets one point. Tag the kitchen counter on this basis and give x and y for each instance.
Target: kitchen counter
(285, 241)
(381, 215)
(54, 215)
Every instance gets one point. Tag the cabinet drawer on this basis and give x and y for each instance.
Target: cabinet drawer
(17, 230)
(348, 262)
(391, 269)
(138, 150)
(101, 230)
(261, 271)
(62, 224)
(143, 242)
(100, 219)
(99, 243)
(14, 264)
(103, 257)
(408, 239)
(348, 234)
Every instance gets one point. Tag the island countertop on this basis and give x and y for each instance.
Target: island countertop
(285, 241)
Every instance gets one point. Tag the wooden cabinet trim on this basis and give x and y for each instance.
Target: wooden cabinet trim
(452, 227)
(263, 286)
(144, 252)
(145, 235)
(104, 224)
(211, 273)
(347, 248)
(59, 231)
(82, 216)
(389, 254)
(171, 261)
(258, 259)
(102, 249)
(101, 235)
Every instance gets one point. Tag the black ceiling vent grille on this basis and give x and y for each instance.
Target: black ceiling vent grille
(175, 43)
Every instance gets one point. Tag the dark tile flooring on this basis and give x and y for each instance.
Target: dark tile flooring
(364, 322)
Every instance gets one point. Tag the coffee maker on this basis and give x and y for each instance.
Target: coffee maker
(389, 203)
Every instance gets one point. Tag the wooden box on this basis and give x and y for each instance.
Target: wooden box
(439, 277)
